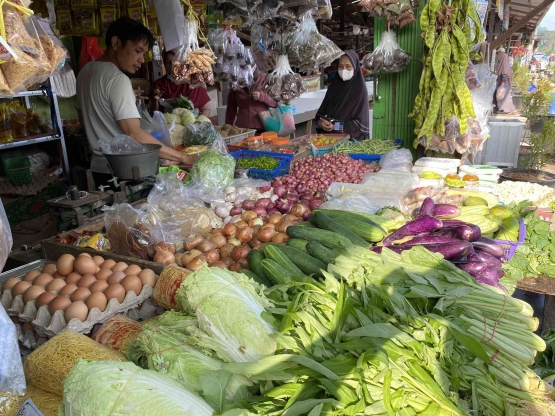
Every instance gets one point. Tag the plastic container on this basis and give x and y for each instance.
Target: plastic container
(282, 145)
(510, 246)
(255, 143)
(268, 136)
(18, 170)
(280, 170)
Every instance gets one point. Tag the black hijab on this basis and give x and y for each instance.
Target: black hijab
(348, 101)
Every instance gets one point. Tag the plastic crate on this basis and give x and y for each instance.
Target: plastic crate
(280, 170)
(18, 170)
(245, 134)
(510, 246)
(372, 158)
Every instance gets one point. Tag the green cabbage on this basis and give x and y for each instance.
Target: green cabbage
(229, 309)
(179, 111)
(203, 119)
(187, 117)
(169, 349)
(172, 119)
(213, 170)
(121, 388)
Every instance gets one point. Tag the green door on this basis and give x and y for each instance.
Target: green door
(394, 94)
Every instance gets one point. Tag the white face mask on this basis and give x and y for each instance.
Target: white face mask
(346, 75)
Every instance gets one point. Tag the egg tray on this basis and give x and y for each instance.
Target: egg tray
(49, 325)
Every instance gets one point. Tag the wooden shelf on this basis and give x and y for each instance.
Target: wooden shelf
(542, 284)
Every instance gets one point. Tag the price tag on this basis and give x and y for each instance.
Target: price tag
(28, 408)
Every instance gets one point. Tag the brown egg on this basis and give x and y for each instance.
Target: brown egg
(43, 279)
(85, 255)
(27, 327)
(116, 277)
(132, 284)
(77, 310)
(33, 293)
(10, 283)
(80, 294)
(59, 303)
(20, 288)
(30, 276)
(99, 286)
(97, 300)
(108, 264)
(64, 265)
(98, 260)
(45, 299)
(115, 291)
(133, 270)
(68, 289)
(119, 267)
(86, 281)
(55, 285)
(84, 265)
(103, 274)
(148, 278)
(50, 269)
(73, 278)
(57, 275)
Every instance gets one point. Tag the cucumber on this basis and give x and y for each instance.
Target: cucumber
(304, 261)
(254, 259)
(306, 224)
(271, 252)
(374, 220)
(277, 274)
(256, 278)
(361, 226)
(326, 238)
(298, 244)
(324, 222)
(322, 253)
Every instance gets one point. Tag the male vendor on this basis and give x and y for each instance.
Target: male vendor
(105, 96)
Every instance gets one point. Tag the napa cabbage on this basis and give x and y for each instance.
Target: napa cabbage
(229, 308)
(121, 388)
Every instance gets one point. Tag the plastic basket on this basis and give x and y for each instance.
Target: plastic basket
(510, 246)
(245, 134)
(18, 170)
(280, 170)
(5, 155)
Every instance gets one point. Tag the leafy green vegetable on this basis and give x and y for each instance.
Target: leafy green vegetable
(203, 119)
(187, 118)
(229, 308)
(213, 170)
(183, 102)
(545, 361)
(172, 118)
(200, 134)
(109, 387)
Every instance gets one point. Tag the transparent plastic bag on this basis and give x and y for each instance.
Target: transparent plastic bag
(129, 235)
(215, 168)
(283, 84)
(16, 32)
(121, 144)
(158, 127)
(200, 134)
(12, 377)
(388, 57)
(390, 181)
(19, 72)
(37, 33)
(398, 159)
(366, 204)
(53, 47)
(6, 241)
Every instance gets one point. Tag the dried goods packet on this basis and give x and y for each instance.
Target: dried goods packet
(19, 71)
(16, 33)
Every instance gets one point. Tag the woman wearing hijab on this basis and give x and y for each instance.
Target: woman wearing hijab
(504, 73)
(345, 107)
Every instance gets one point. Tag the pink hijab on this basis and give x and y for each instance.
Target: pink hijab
(503, 66)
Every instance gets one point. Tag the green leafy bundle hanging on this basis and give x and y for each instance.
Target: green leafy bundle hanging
(450, 32)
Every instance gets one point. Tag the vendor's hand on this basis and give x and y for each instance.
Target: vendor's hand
(157, 94)
(188, 160)
(256, 95)
(325, 125)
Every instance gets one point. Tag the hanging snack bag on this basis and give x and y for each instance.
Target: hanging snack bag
(19, 72)
(16, 33)
(53, 47)
(388, 57)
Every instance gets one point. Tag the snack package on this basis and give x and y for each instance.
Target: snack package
(19, 72)
(283, 84)
(388, 57)
(45, 68)
(53, 47)
(16, 32)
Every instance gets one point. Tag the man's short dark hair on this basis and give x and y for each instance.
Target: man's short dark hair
(126, 30)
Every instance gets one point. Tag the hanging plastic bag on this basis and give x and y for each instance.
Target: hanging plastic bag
(121, 144)
(16, 32)
(503, 90)
(388, 57)
(45, 68)
(278, 119)
(283, 84)
(19, 72)
(158, 128)
(53, 47)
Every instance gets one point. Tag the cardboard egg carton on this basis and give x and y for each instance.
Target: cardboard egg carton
(48, 325)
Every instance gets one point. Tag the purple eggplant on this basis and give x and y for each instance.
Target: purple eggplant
(489, 282)
(427, 208)
(431, 239)
(491, 274)
(492, 262)
(500, 273)
(460, 232)
(489, 246)
(456, 223)
(474, 268)
(377, 249)
(417, 226)
(473, 257)
(450, 251)
(446, 211)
